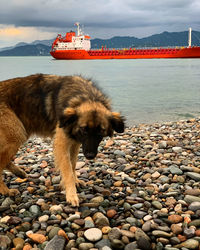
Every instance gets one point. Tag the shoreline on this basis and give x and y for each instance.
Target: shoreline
(143, 192)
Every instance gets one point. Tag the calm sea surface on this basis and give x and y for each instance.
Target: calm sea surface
(152, 90)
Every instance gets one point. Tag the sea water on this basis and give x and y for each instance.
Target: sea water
(143, 90)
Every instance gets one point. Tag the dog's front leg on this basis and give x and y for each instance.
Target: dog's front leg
(74, 150)
(62, 146)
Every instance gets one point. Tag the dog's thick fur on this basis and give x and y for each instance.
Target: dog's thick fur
(70, 109)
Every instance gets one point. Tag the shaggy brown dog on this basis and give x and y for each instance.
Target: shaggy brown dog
(69, 108)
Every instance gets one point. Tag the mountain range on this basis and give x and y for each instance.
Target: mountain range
(165, 39)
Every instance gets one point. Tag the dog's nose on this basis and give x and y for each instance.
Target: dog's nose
(90, 155)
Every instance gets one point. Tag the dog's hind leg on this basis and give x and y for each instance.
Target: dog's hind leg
(12, 135)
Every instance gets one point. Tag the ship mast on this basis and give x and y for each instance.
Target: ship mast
(190, 38)
(78, 29)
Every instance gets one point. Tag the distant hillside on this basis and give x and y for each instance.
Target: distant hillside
(27, 50)
(45, 42)
(165, 39)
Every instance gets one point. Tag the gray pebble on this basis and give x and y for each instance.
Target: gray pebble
(58, 242)
(194, 176)
(114, 234)
(175, 170)
(191, 198)
(34, 209)
(194, 206)
(103, 243)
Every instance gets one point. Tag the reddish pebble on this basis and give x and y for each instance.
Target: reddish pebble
(175, 218)
(109, 143)
(170, 201)
(187, 220)
(39, 238)
(111, 213)
(133, 229)
(62, 233)
(197, 232)
(19, 180)
(176, 228)
(182, 237)
(48, 183)
(27, 247)
(30, 189)
(44, 150)
(118, 183)
(106, 229)
(44, 164)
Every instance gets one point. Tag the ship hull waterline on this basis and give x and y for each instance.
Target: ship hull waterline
(193, 52)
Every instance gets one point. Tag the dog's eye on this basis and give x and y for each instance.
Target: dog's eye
(101, 131)
(83, 130)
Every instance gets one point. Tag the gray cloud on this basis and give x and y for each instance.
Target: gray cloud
(104, 17)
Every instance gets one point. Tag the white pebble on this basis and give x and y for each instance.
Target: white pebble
(93, 234)
(43, 218)
(56, 209)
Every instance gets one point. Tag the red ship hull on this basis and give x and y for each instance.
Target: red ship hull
(192, 52)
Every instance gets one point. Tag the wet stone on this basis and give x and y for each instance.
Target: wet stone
(56, 179)
(174, 240)
(132, 221)
(146, 227)
(175, 170)
(102, 243)
(159, 233)
(194, 176)
(117, 244)
(53, 232)
(190, 244)
(191, 198)
(131, 246)
(157, 204)
(141, 234)
(57, 242)
(89, 224)
(189, 232)
(143, 243)
(195, 223)
(34, 209)
(194, 206)
(7, 202)
(114, 233)
(195, 192)
(4, 241)
(139, 214)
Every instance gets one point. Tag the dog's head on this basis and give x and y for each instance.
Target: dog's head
(89, 123)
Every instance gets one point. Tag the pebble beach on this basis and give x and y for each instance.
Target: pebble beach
(142, 192)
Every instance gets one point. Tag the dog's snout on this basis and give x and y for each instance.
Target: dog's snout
(90, 155)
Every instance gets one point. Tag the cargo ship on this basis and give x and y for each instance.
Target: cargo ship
(77, 46)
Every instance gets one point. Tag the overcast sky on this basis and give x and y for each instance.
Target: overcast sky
(29, 20)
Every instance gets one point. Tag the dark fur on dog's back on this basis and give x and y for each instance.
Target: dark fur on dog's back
(70, 108)
(45, 97)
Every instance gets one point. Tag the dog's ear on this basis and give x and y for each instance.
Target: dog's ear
(117, 122)
(69, 116)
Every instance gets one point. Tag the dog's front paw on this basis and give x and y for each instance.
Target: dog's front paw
(22, 174)
(73, 199)
(4, 190)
